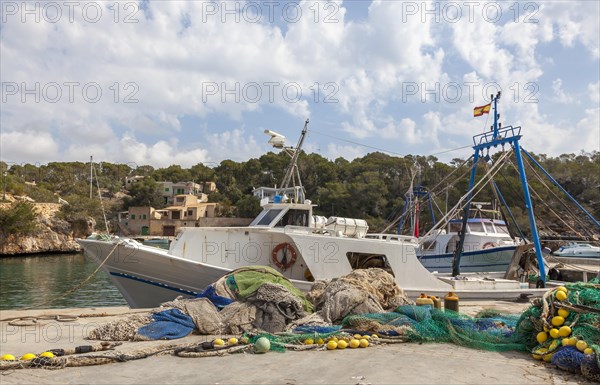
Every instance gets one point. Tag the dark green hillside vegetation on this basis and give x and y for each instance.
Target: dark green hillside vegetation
(371, 187)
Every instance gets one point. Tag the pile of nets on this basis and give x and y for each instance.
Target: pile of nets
(247, 299)
(425, 324)
(563, 328)
(260, 299)
(362, 291)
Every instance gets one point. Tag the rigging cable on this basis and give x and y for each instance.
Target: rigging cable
(549, 208)
(447, 187)
(569, 210)
(100, 197)
(478, 186)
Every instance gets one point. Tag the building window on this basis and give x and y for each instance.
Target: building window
(166, 189)
(179, 191)
(190, 212)
(132, 216)
(144, 216)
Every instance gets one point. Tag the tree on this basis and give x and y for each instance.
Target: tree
(18, 219)
(248, 207)
(144, 193)
(173, 173)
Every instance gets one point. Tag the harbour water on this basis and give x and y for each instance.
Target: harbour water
(27, 281)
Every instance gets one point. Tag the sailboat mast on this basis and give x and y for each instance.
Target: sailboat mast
(91, 175)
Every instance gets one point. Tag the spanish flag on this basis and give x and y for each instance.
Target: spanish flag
(478, 111)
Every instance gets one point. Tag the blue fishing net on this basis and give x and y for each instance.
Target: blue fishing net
(169, 324)
(316, 329)
(210, 293)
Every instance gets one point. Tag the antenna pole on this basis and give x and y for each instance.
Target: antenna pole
(495, 99)
(91, 175)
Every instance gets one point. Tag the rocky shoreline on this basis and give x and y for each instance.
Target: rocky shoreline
(53, 235)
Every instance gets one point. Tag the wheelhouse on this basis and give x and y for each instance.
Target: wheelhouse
(284, 214)
(480, 225)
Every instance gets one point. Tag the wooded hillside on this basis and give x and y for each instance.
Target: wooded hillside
(372, 187)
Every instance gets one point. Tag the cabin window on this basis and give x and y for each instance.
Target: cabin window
(429, 245)
(268, 217)
(476, 227)
(501, 229)
(454, 227)
(294, 218)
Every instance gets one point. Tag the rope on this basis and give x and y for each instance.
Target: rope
(100, 197)
(431, 192)
(80, 285)
(569, 211)
(546, 203)
(479, 186)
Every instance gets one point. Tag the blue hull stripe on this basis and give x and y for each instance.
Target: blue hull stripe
(440, 258)
(466, 266)
(469, 253)
(161, 285)
(576, 256)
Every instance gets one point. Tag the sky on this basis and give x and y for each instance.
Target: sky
(184, 82)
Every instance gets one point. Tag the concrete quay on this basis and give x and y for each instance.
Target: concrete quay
(403, 363)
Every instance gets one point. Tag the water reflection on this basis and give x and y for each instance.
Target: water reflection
(31, 280)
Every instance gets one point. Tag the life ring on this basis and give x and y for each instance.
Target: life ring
(285, 262)
(489, 245)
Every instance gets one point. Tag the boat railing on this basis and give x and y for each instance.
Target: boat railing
(391, 237)
(503, 133)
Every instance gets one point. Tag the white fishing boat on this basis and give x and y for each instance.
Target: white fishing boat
(286, 236)
(577, 250)
(488, 247)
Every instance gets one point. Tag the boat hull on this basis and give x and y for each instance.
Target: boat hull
(487, 260)
(147, 276)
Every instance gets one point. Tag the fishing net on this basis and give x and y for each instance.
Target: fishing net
(490, 330)
(362, 291)
(244, 282)
(578, 309)
(283, 341)
(424, 324)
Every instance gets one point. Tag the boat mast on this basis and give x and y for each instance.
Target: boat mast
(292, 171)
(91, 175)
(485, 141)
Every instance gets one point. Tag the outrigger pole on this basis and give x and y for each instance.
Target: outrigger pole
(500, 136)
(293, 166)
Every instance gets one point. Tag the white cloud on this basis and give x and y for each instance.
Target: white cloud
(28, 147)
(594, 91)
(158, 72)
(559, 94)
(161, 153)
(348, 152)
(589, 129)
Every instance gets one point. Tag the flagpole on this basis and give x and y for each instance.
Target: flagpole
(495, 99)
